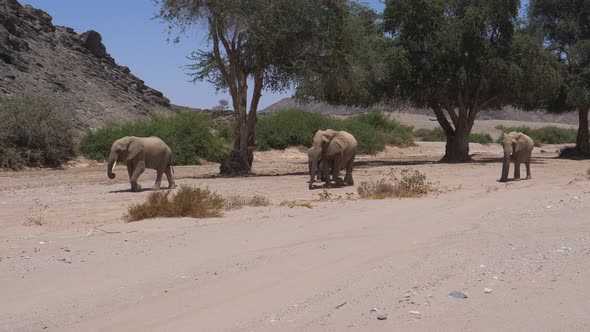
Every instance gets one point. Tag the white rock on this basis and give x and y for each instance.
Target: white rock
(487, 290)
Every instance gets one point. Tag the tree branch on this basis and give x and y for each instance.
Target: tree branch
(451, 111)
(442, 120)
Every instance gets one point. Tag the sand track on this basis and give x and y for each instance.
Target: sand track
(321, 269)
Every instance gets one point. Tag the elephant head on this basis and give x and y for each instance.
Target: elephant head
(122, 149)
(321, 139)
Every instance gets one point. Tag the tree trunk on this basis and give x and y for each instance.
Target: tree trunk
(238, 163)
(583, 138)
(457, 147)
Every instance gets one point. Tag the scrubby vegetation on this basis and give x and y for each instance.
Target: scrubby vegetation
(545, 135)
(34, 131)
(438, 135)
(372, 130)
(189, 134)
(236, 202)
(410, 183)
(187, 202)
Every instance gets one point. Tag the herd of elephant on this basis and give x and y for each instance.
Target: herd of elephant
(332, 152)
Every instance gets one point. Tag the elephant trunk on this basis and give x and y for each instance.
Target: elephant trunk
(506, 165)
(111, 166)
(313, 166)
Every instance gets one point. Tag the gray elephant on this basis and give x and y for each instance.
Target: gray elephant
(141, 153)
(520, 147)
(333, 150)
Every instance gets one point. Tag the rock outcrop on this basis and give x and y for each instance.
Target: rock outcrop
(74, 69)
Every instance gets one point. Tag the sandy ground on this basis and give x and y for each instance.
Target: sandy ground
(69, 263)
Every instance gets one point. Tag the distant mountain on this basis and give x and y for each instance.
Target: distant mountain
(39, 58)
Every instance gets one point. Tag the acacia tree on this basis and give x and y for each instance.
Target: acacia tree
(565, 25)
(458, 57)
(261, 42)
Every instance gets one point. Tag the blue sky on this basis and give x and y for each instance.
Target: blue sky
(137, 41)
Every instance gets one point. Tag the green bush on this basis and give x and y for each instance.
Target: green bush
(290, 128)
(34, 131)
(545, 135)
(189, 134)
(396, 134)
(438, 135)
(480, 138)
(435, 135)
(369, 139)
(296, 127)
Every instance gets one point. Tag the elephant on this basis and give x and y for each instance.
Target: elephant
(141, 153)
(333, 150)
(520, 147)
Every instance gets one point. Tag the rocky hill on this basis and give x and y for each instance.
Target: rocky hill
(76, 70)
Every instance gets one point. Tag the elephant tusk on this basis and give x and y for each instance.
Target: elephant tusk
(113, 168)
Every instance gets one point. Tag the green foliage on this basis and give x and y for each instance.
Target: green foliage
(435, 135)
(564, 28)
(188, 134)
(438, 135)
(34, 131)
(545, 135)
(396, 134)
(480, 138)
(289, 128)
(296, 127)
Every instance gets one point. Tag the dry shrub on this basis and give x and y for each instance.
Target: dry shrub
(34, 131)
(410, 183)
(236, 202)
(187, 202)
(581, 176)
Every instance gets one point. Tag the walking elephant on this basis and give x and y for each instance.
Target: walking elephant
(333, 151)
(141, 153)
(520, 147)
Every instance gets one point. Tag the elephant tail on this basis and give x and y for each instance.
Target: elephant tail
(170, 164)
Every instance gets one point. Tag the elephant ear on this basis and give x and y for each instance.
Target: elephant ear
(134, 149)
(328, 135)
(519, 143)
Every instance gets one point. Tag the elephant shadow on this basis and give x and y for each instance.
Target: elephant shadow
(121, 191)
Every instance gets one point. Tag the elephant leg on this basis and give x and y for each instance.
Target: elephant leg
(159, 174)
(336, 171)
(348, 178)
(528, 170)
(130, 169)
(516, 170)
(139, 169)
(168, 171)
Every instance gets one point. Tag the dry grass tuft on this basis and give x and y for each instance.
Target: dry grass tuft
(294, 204)
(187, 202)
(581, 176)
(237, 202)
(410, 183)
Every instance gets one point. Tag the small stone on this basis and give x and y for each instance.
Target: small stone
(487, 290)
(414, 312)
(458, 295)
(382, 317)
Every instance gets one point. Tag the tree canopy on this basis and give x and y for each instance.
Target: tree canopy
(272, 43)
(565, 27)
(460, 56)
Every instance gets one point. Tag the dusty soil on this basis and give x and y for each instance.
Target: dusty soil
(68, 261)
